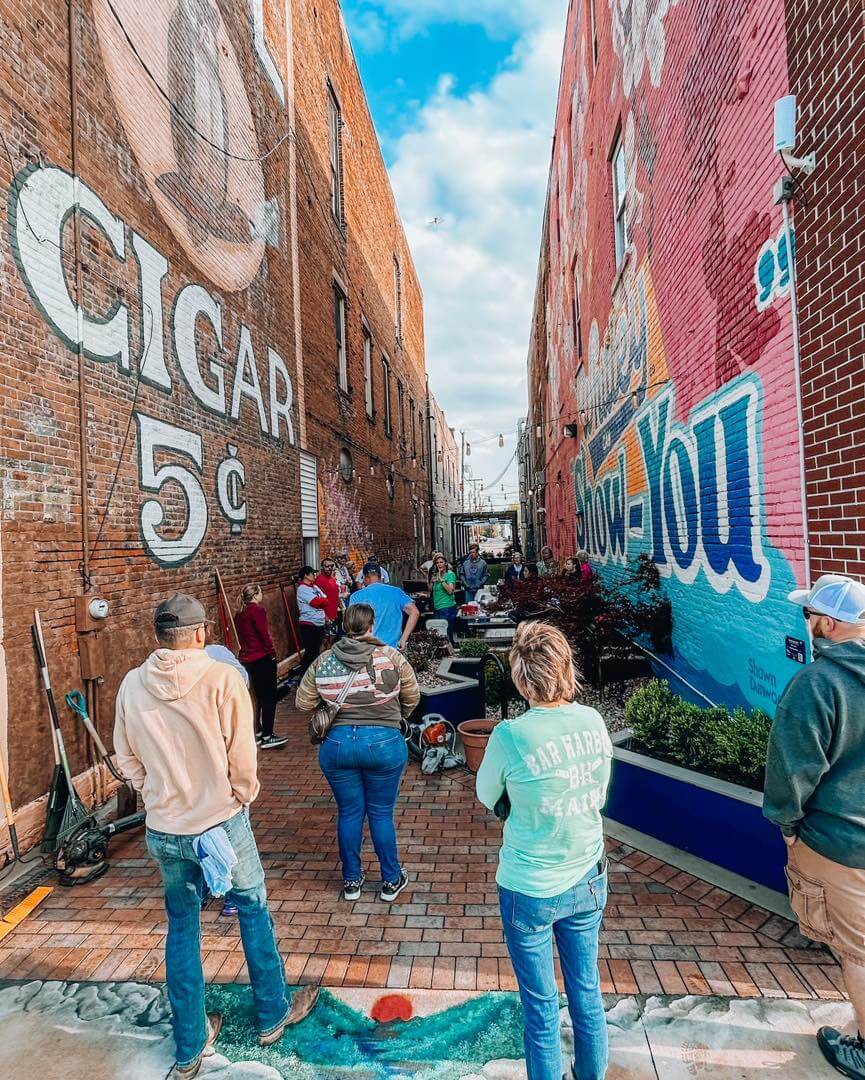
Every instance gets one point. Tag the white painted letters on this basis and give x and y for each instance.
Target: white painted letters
(194, 301)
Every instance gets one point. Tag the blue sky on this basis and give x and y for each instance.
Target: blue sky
(401, 70)
(463, 96)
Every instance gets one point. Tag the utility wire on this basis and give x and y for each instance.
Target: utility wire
(175, 108)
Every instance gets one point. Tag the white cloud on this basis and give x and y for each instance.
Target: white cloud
(480, 164)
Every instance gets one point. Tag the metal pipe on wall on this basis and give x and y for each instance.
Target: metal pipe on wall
(797, 378)
(76, 234)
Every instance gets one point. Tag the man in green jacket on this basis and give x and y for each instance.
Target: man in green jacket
(815, 793)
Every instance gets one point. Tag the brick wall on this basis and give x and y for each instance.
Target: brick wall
(384, 508)
(826, 53)
(446, 480)
(208, 354)
(673, 355)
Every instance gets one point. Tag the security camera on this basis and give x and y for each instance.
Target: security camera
(785, 136)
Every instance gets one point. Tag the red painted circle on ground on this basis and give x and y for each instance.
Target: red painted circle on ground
(392, 1007)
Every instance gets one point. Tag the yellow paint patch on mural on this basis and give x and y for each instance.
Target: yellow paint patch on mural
(20, 912)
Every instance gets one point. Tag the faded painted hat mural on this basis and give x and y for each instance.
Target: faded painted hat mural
(179, 91)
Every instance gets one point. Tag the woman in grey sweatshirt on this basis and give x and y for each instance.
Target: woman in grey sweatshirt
(364, 754)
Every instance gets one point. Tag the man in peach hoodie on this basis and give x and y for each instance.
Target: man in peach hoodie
(184, 738)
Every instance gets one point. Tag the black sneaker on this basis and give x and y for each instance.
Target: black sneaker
(846, 1053)
(390, 890)
(272, 742)
(351, 889)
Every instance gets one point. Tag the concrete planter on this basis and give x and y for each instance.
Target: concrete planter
(713, 819)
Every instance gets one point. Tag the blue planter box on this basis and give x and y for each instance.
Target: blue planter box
(462, 699)
(720, 822)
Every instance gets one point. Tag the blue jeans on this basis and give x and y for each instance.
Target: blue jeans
(470, 595)
(449, 614)
(364, 766)
(183, 880)
(574, 918)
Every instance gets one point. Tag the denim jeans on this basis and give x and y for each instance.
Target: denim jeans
(449, 614)
(470, 595)
(574, 918)
(364, 766)
(183, 880)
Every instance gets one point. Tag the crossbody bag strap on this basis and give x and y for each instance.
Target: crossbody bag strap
(343, 694)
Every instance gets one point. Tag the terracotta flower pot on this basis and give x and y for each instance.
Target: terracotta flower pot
(475, 735)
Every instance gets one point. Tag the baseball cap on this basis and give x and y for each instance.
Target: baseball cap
(371, 568)
(179, 610)
(839, 597)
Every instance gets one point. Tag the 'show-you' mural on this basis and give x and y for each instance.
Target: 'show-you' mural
(669, 420)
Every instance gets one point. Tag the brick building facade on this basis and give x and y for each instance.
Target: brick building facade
(232, 318)
(663, 389)
(446, 479)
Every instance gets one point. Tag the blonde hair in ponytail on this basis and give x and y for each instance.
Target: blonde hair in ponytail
(249, 594)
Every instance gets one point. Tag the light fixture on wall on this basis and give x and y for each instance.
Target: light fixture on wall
(501, 442)
(372, 470)
(584, 417)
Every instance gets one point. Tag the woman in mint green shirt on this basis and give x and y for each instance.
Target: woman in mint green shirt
(444, 584)
(553, 763)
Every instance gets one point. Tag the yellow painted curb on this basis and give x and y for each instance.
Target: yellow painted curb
(20, 912)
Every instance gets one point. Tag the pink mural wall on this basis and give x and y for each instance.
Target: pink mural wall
(673, 355)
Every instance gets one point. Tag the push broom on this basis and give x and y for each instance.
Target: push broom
(75, 813)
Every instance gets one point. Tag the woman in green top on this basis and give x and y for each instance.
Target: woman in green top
(444, 584)
(553, 763)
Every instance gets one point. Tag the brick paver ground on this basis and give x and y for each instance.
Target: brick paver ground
(665, 931)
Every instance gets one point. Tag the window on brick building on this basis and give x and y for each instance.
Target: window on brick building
(385, 378)
(397, 297)
(339, 311)
(413, 428)
(334, 116)
(400, 394)
(620, 187)
(369, 400)
(423, 437)
(577, 319)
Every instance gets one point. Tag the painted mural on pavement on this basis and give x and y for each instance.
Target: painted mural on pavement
(679, 376)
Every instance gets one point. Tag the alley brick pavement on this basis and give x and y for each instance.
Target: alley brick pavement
(665, 931)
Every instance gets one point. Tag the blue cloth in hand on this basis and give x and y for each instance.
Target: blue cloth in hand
(216, 855)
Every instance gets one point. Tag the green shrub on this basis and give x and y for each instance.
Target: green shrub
(731, 746)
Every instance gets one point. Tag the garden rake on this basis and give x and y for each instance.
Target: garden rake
(75, 813)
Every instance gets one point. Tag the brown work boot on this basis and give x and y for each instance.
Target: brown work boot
(186, 1072)
(302, 1004)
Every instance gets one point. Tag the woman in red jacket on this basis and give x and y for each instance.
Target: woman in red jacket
(258, 656)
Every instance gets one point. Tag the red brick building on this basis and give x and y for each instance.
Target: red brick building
(663, 415)
(217, 363)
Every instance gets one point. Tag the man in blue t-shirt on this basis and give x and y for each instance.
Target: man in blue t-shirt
(389, 604)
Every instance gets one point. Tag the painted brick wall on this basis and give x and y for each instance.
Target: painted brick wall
(206, 285)
(826, 52)
(677, 370)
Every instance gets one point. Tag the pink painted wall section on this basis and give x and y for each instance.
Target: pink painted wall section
(675, 359)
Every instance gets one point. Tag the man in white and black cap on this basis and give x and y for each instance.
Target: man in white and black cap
(184, 738)
(815, 793)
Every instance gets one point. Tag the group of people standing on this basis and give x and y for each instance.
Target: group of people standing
(184, 737)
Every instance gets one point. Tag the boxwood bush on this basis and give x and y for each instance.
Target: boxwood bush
(727, 745)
